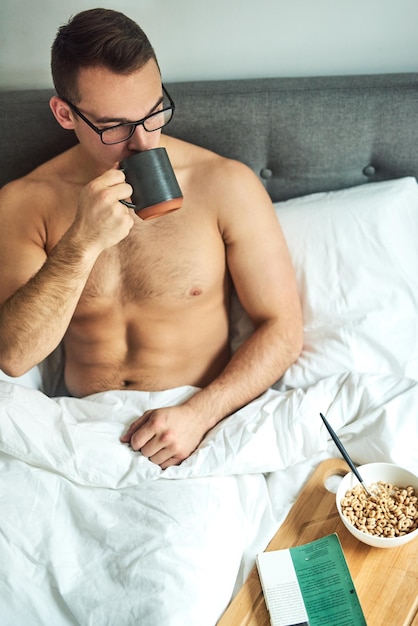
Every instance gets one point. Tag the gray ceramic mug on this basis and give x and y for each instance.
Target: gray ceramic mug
(155, 187)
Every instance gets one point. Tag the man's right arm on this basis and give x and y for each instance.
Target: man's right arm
(39, 292)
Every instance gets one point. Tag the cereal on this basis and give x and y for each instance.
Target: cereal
(390, 512)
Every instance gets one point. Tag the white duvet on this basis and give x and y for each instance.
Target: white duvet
(94, 533)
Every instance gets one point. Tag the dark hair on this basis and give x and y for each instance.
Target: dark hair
(97, 37)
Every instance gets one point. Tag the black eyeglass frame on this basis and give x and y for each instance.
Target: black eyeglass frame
(134, 125)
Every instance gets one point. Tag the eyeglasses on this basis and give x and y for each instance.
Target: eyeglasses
(123, 132)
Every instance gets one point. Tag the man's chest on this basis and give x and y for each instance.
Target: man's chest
(162, 262)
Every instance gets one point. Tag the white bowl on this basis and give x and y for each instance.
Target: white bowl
(372, 473)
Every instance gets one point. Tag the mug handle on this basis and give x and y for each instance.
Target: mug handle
(125, 202)
(128, 204)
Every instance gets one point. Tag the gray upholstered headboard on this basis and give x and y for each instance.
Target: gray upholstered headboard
(299, 135)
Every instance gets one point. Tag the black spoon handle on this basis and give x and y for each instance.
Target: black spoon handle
(341, 449)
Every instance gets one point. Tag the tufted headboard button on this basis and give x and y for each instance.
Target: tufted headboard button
(369, 171)
(266, 173)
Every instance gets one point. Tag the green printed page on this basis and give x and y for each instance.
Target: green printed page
(325, 583)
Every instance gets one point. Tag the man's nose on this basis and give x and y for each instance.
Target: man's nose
(142, 140)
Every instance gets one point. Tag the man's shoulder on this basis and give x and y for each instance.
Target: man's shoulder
(225, 187)
(15, 190)
(41, 181)
(38, 189)
(30, 186)
(198, 158)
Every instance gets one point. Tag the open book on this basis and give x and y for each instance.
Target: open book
(310, 585)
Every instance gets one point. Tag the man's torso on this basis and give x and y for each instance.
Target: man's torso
(154, 312)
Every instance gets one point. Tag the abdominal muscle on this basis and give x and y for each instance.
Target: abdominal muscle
(144, 349)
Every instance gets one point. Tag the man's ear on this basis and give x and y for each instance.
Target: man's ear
(62, 112)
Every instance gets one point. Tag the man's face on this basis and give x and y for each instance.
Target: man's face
(108, 99)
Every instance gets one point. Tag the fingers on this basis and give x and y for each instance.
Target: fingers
(116, 179)
(170, 462)
(151, 436)
(160, 448)
(138, 434)
(112, 177)
(113, 184)
(126, 438)
(101, 220)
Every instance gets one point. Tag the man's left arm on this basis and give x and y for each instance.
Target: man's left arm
(261, 269)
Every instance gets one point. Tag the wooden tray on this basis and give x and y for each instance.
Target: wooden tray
(386, 580)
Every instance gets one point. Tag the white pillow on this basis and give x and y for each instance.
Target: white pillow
(355, 254)
(31, 379)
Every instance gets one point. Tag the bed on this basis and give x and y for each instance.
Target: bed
(92, 533)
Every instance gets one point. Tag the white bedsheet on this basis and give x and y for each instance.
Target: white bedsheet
(93, 533)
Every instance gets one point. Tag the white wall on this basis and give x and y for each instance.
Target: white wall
(205, 39)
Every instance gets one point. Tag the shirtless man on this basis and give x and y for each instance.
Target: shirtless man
(141, 304)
